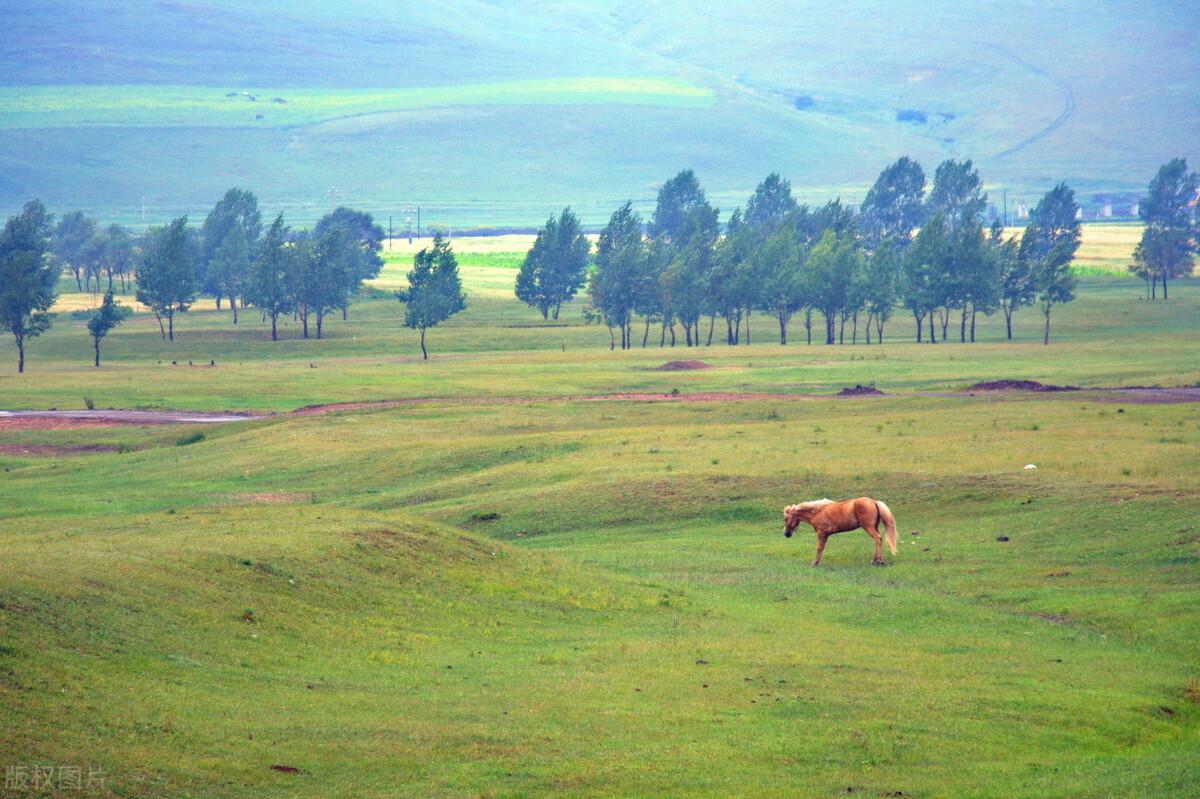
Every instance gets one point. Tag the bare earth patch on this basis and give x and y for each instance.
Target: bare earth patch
(1019, 385)
(860, 391)
(682, 366)
(273, 498)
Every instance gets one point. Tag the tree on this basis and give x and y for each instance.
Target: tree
(112, 251)
(555, 267)
(1048, 245)
(615, 286)
(434, 292)
(836, 264)
(363, 262)
(104, 319)
(922, 265)
(166, 275)
(770, 205)
(1014, 278)
(895, 205)
(881, 286)
(1169, 239)
(957, 193)
(269, 284)
(237, 210)
(68, 242)
(780, 264)
(229, 266)
(27, 276)
(682, 211)
(323, 274)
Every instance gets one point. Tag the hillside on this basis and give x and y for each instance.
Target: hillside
(498, 113)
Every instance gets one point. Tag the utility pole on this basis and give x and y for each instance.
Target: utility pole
(1006, 207)
(418, 223)
(389, 232)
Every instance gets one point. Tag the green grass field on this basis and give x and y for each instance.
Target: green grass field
(480, 596)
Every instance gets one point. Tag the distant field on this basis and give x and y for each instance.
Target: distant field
(209, 106)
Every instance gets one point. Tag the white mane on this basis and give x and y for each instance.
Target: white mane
(810, 505)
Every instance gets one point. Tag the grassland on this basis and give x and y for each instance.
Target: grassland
(480, 597)
(158, 106)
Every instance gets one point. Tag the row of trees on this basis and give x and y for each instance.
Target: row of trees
(927, 252)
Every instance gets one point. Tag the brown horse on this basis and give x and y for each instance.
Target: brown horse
(828, 517)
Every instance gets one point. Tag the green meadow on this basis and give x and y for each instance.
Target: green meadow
(507, 589)
(134, 106)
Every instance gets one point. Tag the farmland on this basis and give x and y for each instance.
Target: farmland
(506, 582)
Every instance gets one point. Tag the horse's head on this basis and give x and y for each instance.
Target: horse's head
(791, 520)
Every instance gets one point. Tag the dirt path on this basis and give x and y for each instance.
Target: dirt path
(49, 420)
(55, 419)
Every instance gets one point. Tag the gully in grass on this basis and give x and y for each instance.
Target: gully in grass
(828, 517)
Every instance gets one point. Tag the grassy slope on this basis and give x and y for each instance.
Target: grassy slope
(593, 598)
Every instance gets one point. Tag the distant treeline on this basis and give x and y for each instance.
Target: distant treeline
(926, 252)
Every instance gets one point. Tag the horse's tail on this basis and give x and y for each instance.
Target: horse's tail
(889, 521)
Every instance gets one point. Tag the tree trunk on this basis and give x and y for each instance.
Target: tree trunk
(274, 332)
(879, 328)
(646, 333)
(945, 320)
(78, 282)
(424, 352)
(1164, 285)
(842, 330)
(545, 312)
(1046, 332)
(96, 346)
(218, 299)
(320, 321)
(747, 327)
(920, 326)
(662, 335)
(171, 325)
(962, 326)
(233, 305)
(304, 321)
(672, 335)
(782, 329)
(20, 355)
(712, 322)
(612, 339)
(556, 309)
(974, 310)
(345, 312)
(808, 325)
(854, 329)
(161, 330)
(1008, 312)
(830, 321)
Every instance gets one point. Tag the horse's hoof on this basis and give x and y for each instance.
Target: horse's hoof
(878, 563)
(816, 563)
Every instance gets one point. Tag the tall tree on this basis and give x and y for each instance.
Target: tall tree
(895, 205)
(1048, 245)
(69, 241)
(1014, 277)
(236, 211)
(780, 265)
(434, 292)
(27, 276)
(1170, 239)
(682, 210)
(104, 319)
(364, 262)
(166, 275)
(881, 286)
(269, 286)
(555, 268)
(922, 266)
(229, 266)
(770, 205)
(836, 264)
(957, 193)
(616, 284)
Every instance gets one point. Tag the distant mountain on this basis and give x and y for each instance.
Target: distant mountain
(501, 112)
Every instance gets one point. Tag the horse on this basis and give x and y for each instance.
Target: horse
(828, 517)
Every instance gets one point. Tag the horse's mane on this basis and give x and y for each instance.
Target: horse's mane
(811, 504)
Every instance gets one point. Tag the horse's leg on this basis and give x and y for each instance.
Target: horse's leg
(871, 531)
(820, 547)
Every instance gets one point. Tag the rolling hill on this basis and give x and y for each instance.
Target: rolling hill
(491, 113)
